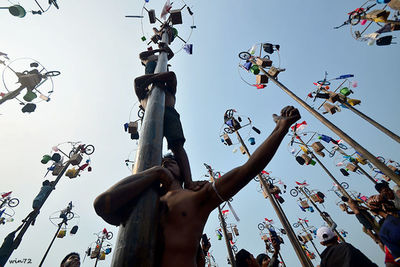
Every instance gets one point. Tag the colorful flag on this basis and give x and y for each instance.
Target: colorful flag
(225, 211)
(6, 194)
(167, 7)
(303, 183)
(299, 126)
(188, 48)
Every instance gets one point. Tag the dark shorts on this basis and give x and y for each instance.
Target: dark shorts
(150, 67)
(173, 127)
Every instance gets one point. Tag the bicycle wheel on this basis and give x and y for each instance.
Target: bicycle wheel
(234, 248)
(324, 83)
(306, 190)
(260, 226)
(296, 225)
(256, 179)
(13, 202)
(355, 17)
(244, 55)
(342, 146)
(228, 130)
(382, 159)
(70, 215)
(109, 235)
(344, 185)
(52, 73)
(89, 149)
(294, 193)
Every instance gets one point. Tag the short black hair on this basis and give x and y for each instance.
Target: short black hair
(69, 255)
(261, 257)
(381, 185)
(241, 258)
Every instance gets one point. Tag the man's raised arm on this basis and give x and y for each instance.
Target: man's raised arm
(111, 204)
(230, 183)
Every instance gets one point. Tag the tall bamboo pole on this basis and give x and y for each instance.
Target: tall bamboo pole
(52, 241)
(321, 213)
(304, 260)
(223, 225)
(312, 242)
(344, 192)
(358, 165)
(31, 218)
(335, 129)
(373, 122)
(137, 238)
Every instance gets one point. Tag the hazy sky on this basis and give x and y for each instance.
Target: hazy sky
(96, 50)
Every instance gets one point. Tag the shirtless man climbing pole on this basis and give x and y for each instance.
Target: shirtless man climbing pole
(172, 128)
(184, 212)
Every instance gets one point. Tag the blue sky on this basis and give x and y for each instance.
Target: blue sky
(96, 50)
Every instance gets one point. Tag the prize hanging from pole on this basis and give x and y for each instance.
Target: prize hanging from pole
(265, 55)
(28, 82)
(372, 23)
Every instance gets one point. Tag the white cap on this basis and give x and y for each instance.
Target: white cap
(324, 234)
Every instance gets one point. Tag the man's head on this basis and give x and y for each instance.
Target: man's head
(71, 260)
(326, 236)
(263, 260)
(384, 190)
(245, 259)
(169, 162)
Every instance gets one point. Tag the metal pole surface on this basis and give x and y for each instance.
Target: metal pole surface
(283, 262)
(320, 213)
(223, 225)
(336, 130)
(101, 245)
(373, 122)
(137, 238)
(51, 243)
(304, 260)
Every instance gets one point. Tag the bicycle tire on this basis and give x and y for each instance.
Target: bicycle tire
(381, 159)
(323, 83)
(296, 225)
(52, 73)
(13, 202)
(244, 55)
(307, 190)
(228, 130)
(260, 226)
(89, 149)
(70, 215)
(344, 185)
(234, 248)
(294, 192)
(109, 235)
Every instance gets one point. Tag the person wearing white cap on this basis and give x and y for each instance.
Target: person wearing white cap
(340, 254)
